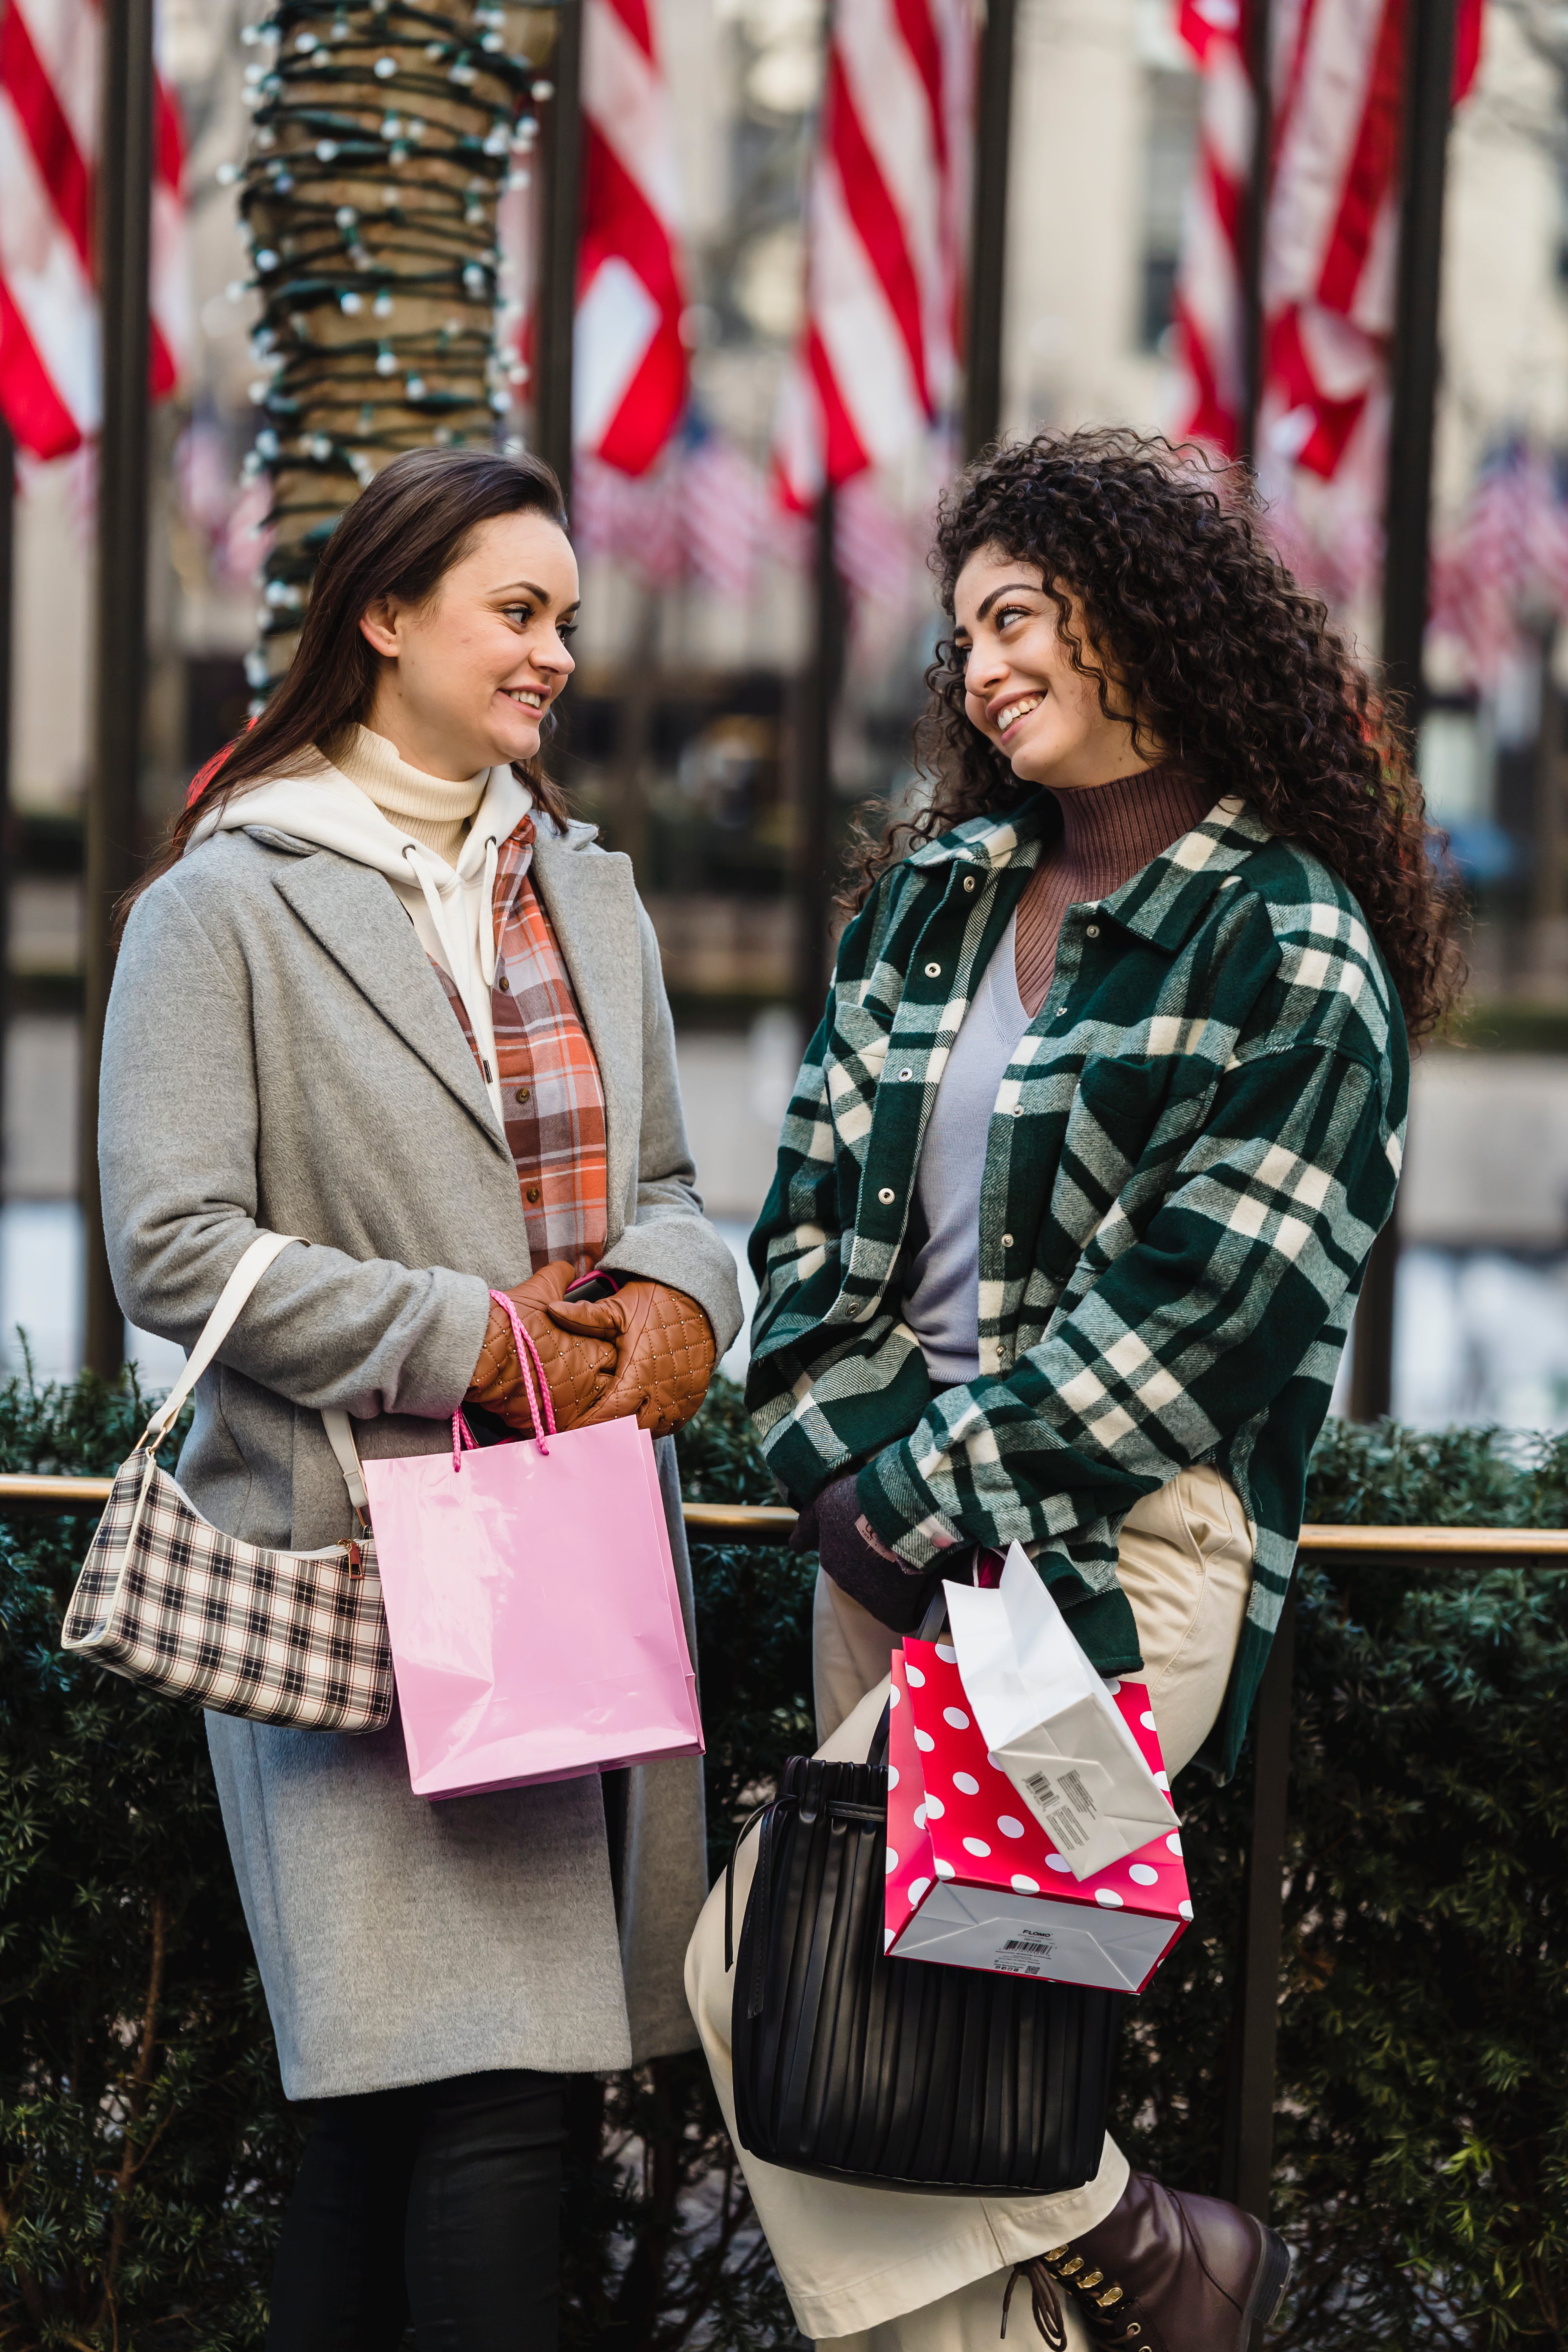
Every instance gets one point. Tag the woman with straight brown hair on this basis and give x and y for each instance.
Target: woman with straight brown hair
(382, 995)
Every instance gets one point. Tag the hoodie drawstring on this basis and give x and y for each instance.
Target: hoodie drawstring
(490, 948)
(460, 950)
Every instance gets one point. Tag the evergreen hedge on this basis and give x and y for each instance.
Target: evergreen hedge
(146, 2148)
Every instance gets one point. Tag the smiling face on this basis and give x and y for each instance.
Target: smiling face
(1020, 688)
(467, 677)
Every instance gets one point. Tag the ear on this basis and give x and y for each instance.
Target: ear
(378, 627)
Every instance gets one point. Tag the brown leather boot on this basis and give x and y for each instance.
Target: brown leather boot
(1165, 2273)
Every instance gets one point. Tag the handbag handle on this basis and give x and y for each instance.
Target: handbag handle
(231, 1299)
(231, 1302)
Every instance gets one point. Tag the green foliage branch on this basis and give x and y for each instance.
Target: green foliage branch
(146, 2149)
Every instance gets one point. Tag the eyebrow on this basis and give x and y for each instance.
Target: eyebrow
(534, 590)
(1008, 587)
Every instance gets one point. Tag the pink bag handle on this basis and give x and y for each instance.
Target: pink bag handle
(530, 1367)
(461, 1435)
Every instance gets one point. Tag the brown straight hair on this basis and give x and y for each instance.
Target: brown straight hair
(400, 537)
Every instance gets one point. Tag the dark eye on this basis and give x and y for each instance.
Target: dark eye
(567, 630)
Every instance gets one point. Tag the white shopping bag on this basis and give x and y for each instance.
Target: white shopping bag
(1051, 1723)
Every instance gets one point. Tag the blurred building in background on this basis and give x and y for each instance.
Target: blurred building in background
(683, 738)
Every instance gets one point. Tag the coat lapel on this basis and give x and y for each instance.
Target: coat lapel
(592, 906)
(358, 917)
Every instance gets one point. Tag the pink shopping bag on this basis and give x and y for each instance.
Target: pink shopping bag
(532, 1603)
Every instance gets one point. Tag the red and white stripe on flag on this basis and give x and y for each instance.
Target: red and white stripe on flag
(49, 371)
(629, 361)
(887, 205)
(1337, 72)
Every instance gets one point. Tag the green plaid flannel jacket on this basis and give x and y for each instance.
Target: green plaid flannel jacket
(1191, 1154)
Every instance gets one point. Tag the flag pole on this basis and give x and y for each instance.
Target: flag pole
(988, 229)
(8, 841)
(563, 211)
(1413, 371)
(1259, 52)
(125, 217)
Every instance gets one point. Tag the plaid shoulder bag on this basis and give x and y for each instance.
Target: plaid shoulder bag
(169, 1600)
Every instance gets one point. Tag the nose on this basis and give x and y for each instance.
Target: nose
(985, 671)
(554, 655)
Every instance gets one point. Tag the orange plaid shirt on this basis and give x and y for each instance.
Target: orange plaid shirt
(548, 1075)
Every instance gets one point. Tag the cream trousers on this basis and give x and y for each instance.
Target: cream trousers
(889, 2270)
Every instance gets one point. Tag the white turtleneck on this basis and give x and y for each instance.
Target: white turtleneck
(450, 898)
(435, 811)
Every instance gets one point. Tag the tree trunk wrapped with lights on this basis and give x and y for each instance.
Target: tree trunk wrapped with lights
(385, 135)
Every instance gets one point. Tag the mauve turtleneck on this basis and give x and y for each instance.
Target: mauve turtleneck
(1109, 832)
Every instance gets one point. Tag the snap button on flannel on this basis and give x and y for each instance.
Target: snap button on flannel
(1006, 1241)
(906, 1074)
(933, 972)
(887, 1196)
(1092, 931)
(969, 881)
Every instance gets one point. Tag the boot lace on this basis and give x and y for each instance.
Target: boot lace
(1111, 2322)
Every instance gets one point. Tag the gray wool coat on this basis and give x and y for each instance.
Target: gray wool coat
(279, 1055)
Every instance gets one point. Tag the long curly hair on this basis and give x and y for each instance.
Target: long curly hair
(1192, 630)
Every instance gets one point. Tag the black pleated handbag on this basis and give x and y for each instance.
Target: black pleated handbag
(898, 2072)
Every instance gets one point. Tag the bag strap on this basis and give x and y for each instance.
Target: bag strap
(231, 1300)
(340, 1438)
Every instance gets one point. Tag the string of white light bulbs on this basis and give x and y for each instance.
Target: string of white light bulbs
(384, 135)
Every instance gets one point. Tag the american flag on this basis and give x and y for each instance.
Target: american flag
(629, 362)
(1336, 75)
(878, 360)
(1505, 565)
(703, 514)
(50, 387)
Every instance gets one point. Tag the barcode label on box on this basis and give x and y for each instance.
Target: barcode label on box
(1066, 1806)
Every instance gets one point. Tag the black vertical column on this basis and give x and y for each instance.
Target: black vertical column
(1413, 369)
(817, 697)
(124, 213)
(556, 310)
(988, 228)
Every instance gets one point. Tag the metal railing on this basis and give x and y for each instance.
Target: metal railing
(1249, 2121)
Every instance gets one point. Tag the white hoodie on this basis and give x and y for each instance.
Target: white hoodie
(452, 908)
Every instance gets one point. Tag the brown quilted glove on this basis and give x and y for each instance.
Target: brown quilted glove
(578, 1366)
(667, 1353)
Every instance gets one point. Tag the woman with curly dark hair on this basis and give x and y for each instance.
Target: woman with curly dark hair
(1073, 1201)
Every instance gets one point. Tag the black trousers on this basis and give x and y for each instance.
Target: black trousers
(437, 2205)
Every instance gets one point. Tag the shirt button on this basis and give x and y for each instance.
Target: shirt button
(969, 881)
(906, 1074)
(1006, 1241)
(887, 1196)
(524, 1093)
(1018, 1111)
(533, 1192)
(504, 984)
(933, 972)
(1092, 933)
